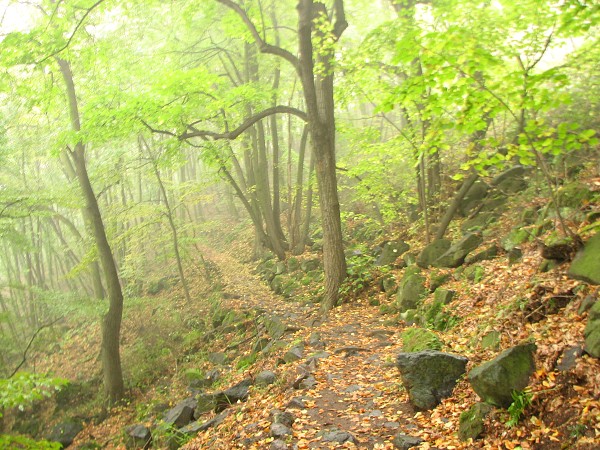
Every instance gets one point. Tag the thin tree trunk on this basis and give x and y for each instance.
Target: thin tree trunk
(170, 219)
(111, 323)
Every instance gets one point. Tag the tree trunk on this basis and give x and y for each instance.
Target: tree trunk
(318, 93)
(111, 322)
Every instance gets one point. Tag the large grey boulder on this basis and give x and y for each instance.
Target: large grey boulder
(411, 290)
(391, 251)
(479, 222)
(138, 436)
(430, 376)
(511, 180)
(474, 196)
(182, 413)
(64, 433)
(456, 254)
(495, 380)
(592, 331)
(265, 378)
(236, 393)
(432, 252)
(586, 265)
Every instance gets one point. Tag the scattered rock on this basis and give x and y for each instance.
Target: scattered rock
(218, 358)
(511, 180)
(491, 340)
(261, 344)
(350, 350)
(478, 223)
(443, 296)
(412, 290)
(307, 383)
(592, 332)
(279, 430)
(430, 376)
(138, 436)
(284, 417)
(515, 254)
(586, 304)
(391, 251)
(314, 340)
(495, 380)
(278, 444)
(569, 358)
(489, 253)
(586, 265)
(236, 393)
(296, 403)
(473, 197)
(456, 254)
(471, 421)
(182, 413)
(293, 354)
(274, 326)
(405, 442)
(432, 252)
(215, 421)
(64, 433)
(574, 194)
(265, 378)
(339, 436)
(205, 403)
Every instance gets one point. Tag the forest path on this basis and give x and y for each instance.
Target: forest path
(348, 360)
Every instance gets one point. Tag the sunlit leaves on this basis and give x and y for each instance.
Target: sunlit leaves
(25, 388)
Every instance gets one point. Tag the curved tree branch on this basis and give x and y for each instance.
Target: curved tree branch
(281, 109)
(263, 46)
(87, 13)
(46, 325)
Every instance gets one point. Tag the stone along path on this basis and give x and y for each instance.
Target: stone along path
(345, 384)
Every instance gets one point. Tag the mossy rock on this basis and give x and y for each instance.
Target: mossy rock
(586, 265)
(495, 380)
(432, 252)
(293, 264)
(412, 290)
(437, 279)
(471, 421)
(592, 331)
(474, 273)
(573, 195)
(419, 339)
(491, 340)
(516, 237)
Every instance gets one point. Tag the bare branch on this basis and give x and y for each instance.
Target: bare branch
(263, 46)
(87, 13)
(46, 325)
(243, 127)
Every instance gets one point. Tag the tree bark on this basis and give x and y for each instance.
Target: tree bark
(111, 322)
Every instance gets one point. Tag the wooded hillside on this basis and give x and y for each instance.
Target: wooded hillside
(348, 198)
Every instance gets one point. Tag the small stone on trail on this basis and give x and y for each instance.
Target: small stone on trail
(279, 430)
(296, 403)
(278, 444)
(405, 442)
(265, 378)
(338, 436)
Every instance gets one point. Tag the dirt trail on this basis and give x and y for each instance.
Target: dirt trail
(357, 387)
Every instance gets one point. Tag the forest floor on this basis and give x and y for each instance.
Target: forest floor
(357, 385)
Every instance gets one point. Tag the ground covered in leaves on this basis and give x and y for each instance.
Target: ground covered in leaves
(356, 386)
